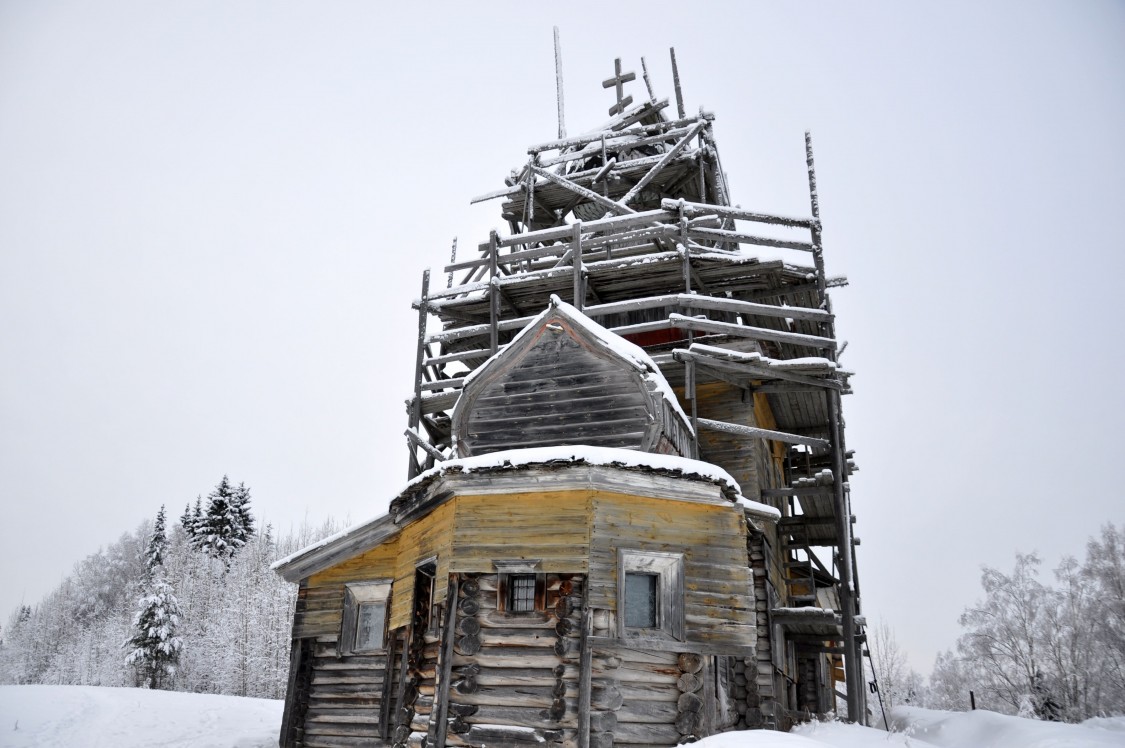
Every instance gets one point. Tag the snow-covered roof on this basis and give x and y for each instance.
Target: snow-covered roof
(360, 536)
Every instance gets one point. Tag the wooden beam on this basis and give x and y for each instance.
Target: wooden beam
(725, 211)
(428, 448)
(605, 202)
(756, 333)
(735, 236)
(656, 169)
(608, 224)
(441, 699)
(757, 433)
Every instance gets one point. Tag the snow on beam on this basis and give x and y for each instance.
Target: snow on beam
(757, 433)
(725, 211)
(578, 189)
(756, 333)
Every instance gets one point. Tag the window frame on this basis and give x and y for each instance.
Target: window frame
(356, 596)
(506, 569)
(668, 568)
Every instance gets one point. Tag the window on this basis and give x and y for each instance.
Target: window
(650, 594)
(363, 624)
(641, 600)
(521, 593)
(369, 626)
(520, 587)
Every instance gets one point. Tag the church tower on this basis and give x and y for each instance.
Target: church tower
(627, 517)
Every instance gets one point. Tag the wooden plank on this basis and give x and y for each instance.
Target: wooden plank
(756, 333)
(726, 211)
(585, 669)
(757, 433)
(441, 721)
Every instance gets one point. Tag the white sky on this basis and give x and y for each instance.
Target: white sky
(214, 215)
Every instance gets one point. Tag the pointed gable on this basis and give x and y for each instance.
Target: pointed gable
(565, 380)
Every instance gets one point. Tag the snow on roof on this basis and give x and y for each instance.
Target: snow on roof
(630, 352)
(584, 455)
(573, 454)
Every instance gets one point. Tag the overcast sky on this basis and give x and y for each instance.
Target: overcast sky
(214, 216)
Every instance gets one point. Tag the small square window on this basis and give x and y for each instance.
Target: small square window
(650, 594)
(364, 619)
(520, 587)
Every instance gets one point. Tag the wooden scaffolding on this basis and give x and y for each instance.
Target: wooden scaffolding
(633, 224)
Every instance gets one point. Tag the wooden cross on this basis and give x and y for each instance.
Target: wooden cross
(618, 81)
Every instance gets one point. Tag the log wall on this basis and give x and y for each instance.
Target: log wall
(718, 601)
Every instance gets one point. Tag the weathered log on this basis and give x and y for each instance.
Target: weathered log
(689, 702)
(689, 682)
(605, 697)
(468, 606)
(468, 645)
(690, 662)
(470, 588)
(687, 723)
(468, 626)
(462, 710)
(601, 740)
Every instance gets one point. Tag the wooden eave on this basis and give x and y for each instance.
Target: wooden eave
(345, 545)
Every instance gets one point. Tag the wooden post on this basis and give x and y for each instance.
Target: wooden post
(493, 291)
(452, 261)
(676, 83)
(415, 418)
(388, 690)
(853, 662)
(576, 264)
(585, 668)
(559, 84)
(441, 705)
(648, 83)
(403, 676)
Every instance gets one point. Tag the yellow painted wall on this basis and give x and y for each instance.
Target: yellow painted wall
(553, 526)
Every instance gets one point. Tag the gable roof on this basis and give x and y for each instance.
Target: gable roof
(594, 347)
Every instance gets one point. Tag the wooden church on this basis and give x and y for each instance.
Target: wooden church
(627, 518)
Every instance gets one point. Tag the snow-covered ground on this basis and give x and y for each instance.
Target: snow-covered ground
(93, 717)
(90, 717)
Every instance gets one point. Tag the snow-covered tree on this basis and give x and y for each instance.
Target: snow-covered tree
(898, 682)
(157, 543)
(154, 648)
(226, 524)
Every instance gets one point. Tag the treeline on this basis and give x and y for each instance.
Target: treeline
(188, 605)
(1048, 649)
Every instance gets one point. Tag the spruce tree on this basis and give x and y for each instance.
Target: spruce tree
(227, 524)
(244, 520)
(185, 519)
(154, 648)
(157, 543)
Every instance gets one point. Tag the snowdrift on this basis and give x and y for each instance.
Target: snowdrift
(95, 717)
(92, 717)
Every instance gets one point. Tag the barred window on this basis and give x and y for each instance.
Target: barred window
(521, 593)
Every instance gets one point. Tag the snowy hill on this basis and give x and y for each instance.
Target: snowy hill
(92, 717)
